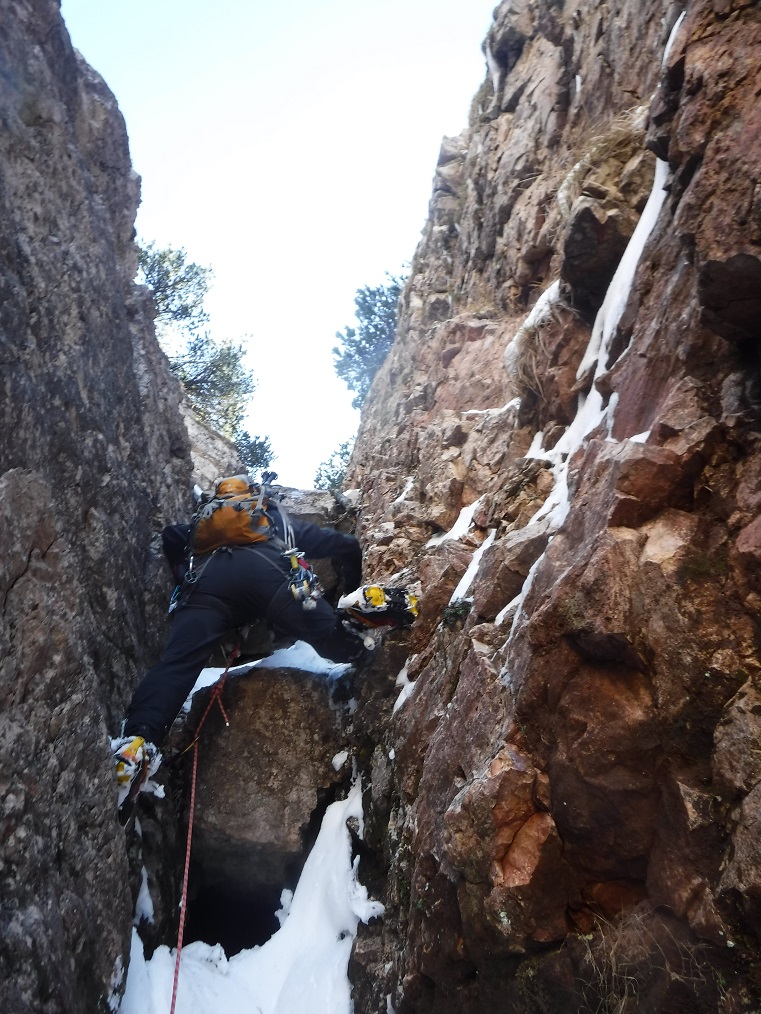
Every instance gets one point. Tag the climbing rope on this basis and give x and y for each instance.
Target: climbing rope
(216, 695)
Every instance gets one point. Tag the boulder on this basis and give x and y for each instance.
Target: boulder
(505, 566)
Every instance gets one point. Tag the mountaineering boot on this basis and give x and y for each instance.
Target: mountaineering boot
(373, 605)
(135, 760)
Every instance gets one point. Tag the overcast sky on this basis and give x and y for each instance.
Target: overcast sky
(291, 148)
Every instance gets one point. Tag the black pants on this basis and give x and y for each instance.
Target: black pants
(236, 587)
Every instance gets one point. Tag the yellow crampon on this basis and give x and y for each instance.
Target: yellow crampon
(128, 758)
(375, 596)
(373, 605)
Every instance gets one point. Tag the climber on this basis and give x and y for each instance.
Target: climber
(233, 585)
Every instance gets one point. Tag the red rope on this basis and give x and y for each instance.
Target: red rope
(216, 695)
(184, 900)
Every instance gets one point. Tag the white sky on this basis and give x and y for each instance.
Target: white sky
(291, 147)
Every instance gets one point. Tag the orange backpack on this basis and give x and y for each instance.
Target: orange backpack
(235, 514)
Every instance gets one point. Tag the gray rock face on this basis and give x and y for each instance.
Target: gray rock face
(213, 455)
(255, 800)
(93, 459)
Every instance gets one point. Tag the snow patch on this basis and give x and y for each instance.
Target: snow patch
(610, 416)
(520, 599)
(302, 967)
(502, 615)
(340, 759)
(640, 438)
(144, 902)
(494, 68)
(672, 38)
(512, 406)
(286, 897)
(616, 297)
(460, 527)
(469, 576)
(407, 687)
(408, 486)
(535, 450)
(299, 655)
(540, 312)
(406, 693)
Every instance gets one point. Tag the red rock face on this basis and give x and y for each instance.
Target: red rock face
(577, 769)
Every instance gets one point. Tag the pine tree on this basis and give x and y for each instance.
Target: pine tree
(332, 472)
(364, 348)
(214, 378)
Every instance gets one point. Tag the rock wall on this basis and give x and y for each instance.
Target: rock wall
(213, 454)
(94, 458)
(562, 811)
(571, 817)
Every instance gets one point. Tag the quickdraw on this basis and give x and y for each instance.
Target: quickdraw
(303, 583)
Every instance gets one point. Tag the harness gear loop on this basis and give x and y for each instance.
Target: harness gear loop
(216, 695)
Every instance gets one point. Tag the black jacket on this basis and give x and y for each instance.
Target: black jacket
(314, 542)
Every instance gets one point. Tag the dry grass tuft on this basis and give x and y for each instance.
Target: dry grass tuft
(630, 957)
(531, 350)
(622, 138)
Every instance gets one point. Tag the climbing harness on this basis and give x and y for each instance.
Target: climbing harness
(216, 695)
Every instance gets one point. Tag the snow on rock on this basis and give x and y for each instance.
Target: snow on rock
(512, 406)
(591, 410)
(406, 692)
(540, 312)
(303, 965)
(601, 715)
(144, 903)
(469, 576)
(286, 897)
(502, 615)
(299, 655)
(407, 489)
(407, 688)
(494, 68)
(460, 527)
(117, 978)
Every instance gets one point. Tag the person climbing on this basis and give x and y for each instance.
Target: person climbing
(235, 563)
